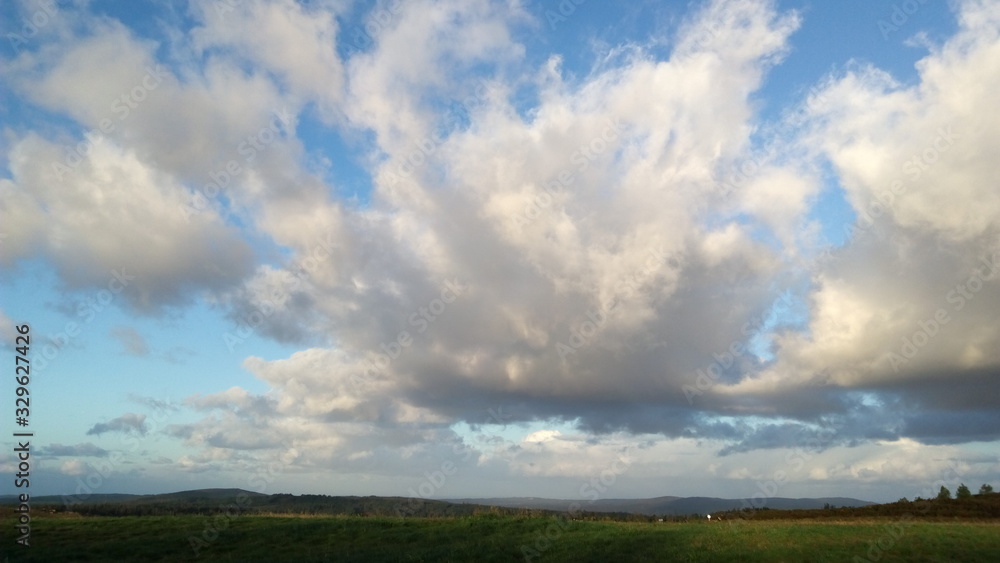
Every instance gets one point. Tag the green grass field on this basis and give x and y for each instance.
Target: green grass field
(494, 538)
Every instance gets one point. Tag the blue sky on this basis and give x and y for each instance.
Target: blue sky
(364, 239)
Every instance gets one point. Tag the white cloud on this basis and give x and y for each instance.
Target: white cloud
(284, 37)
(904, 306)
(116, 213)
(541, 436)
(73, 467)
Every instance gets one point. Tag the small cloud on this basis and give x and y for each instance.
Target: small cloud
(184, 431)
(73, 467)
(192, 465)
(130, 339)
(157, 404)
(542, 436)
(179, 355)
(127, 423)
(87, 450)
(234, 397)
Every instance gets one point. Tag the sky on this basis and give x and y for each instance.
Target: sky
(478, 248)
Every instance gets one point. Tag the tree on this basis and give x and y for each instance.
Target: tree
(985, 489)
(944, 493)
(963, 492)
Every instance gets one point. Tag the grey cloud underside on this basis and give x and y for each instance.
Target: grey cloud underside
(127, 423)
(61, 450)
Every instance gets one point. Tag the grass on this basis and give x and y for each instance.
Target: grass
(493, 538)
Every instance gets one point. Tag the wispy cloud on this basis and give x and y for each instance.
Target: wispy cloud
(132, 342)
(128, 423)
(79, 450)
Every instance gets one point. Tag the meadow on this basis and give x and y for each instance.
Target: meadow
(490, 537)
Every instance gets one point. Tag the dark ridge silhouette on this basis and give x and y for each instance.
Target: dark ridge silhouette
(237, 502)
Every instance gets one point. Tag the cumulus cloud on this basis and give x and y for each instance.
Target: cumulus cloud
(285, 37)
(116, 223)
(901, 312)
(597, 281)
(569, 273)
(574, 254)
(73, 467)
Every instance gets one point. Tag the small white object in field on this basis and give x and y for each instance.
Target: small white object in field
(709, 516)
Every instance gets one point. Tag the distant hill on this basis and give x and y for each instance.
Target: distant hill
(198, 494)
(212, 501)
(209, 501)
(202, 500)
(668, 506)
(51, 499)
